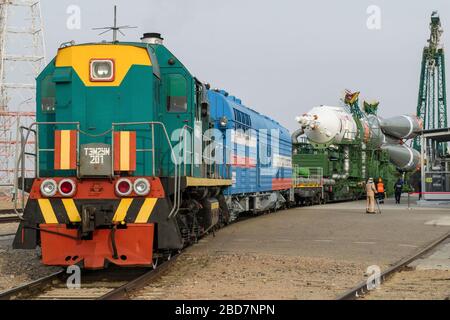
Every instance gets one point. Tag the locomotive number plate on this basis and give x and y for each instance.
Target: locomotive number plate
(95, 159)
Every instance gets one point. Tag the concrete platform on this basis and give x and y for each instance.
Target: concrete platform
(304, 253)
(339, 231)
(438, 259)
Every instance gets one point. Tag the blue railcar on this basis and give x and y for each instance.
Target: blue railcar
(258, 152)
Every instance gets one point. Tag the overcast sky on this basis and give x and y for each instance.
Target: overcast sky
(281, 57)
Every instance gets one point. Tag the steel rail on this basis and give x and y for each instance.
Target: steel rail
(27, 289)
(47, 283)
(122, 293)
(7, 211)
(7, 235)
(9, 219)
(361, 289)
(8, 216)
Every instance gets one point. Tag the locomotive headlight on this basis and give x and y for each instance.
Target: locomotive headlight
(102, 70)
(223, 122)
(48, 188)
(141, 187)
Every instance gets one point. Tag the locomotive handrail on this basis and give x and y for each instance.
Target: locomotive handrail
(212, 163)
(20, 161)
(183, 132)
(177, 184)
(20, 164)
(177, 195)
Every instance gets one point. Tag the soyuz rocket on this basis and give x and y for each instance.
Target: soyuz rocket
(329, 125)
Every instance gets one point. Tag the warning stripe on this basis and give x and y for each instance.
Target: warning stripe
(64, 211)
(122, 210)
(47, 211)
(65, 157)
(125, 151)
(146, 210)
(71, 209)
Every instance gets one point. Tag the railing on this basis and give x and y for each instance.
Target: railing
(209, 166)
(177, 177)
(311, 177)
(208, 170)
(23, 153)
(20, 165)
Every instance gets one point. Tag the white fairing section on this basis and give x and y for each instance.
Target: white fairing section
(327, 124)
(377, 136)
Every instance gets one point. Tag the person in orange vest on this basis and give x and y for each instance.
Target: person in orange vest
(380, 190)
(371, 192)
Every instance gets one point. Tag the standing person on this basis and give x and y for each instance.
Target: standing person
(370, 191)
(380, 189)
(420, 189)
(398, 188)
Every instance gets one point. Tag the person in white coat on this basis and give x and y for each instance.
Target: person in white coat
(371, 191)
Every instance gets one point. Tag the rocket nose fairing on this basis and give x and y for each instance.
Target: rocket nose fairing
(327, 124)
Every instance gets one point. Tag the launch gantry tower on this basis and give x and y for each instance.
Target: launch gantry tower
(432, 100)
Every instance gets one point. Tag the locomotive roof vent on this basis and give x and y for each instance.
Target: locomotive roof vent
(152, 38)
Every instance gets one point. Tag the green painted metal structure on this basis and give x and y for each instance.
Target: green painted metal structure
(332, 162)
(432, 100)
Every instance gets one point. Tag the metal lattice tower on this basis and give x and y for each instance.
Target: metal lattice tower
(22, 57)
(432, 101)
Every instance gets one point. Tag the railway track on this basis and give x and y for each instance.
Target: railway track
(8, 211)
(110, 284)
(362, 289)
(8, 216)
(9, 219)
(6, 235)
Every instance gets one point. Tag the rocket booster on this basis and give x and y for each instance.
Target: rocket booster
(403, 157)
(402, 127)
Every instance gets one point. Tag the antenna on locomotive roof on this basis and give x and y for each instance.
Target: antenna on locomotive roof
(114, 28)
